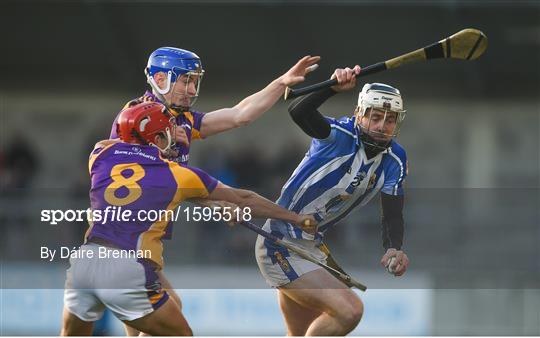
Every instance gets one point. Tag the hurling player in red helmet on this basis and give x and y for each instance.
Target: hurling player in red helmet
(151, 123)
(117, 267)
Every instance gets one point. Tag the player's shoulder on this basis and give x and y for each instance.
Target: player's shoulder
(194, 170)
(343, 138)
(196, 112)
(397, 149)
(343, 124)
(341, 121)
(193, 177)
(194, 116)
(397, 153)
(97, 154)
(103, 145)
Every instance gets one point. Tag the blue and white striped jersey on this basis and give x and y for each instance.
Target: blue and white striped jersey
(336, 176)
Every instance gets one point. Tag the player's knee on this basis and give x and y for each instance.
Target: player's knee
(176, 299)
(351, 314)
(295, 333)
(176, 328)
(185, 330)
(75, 329)
(181, 328)
(297, 330)
(73, 326)
(357, 311)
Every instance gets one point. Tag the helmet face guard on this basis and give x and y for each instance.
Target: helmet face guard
(168, 135)
(379, 114)
(379, 126)
(186, 79)
(180, 66)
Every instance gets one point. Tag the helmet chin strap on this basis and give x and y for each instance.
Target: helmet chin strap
(371, 145)
(179, 108)
(169, 142)
(155, 86)
(159, 92)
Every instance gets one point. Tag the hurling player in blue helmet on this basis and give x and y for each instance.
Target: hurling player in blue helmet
(175, 77)
(174, 63)
(350, 161)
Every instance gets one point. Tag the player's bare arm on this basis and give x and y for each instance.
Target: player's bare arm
(222, 207)
(213, 203)
(253, 106)
(260, 206)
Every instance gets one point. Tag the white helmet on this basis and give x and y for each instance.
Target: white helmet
(384, 98)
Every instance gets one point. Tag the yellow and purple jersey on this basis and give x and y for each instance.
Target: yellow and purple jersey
(135, 178)
(189, 120)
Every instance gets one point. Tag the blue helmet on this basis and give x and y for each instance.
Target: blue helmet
(178, 61)
(174, 62)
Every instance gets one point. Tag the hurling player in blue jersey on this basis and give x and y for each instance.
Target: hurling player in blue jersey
(350, 161)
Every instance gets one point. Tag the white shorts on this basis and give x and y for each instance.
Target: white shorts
(280, 266)
(129, 288)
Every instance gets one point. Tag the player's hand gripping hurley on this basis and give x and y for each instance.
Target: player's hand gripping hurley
(467, 44)
(306, 255)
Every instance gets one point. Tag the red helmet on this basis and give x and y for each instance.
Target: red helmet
(141, 123)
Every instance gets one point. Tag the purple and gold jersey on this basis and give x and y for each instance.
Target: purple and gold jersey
(136, 178)
(189, 120)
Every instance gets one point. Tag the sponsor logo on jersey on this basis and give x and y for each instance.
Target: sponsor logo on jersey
(135, 151)
(283, 264)
(182, 158)
(372, 181)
